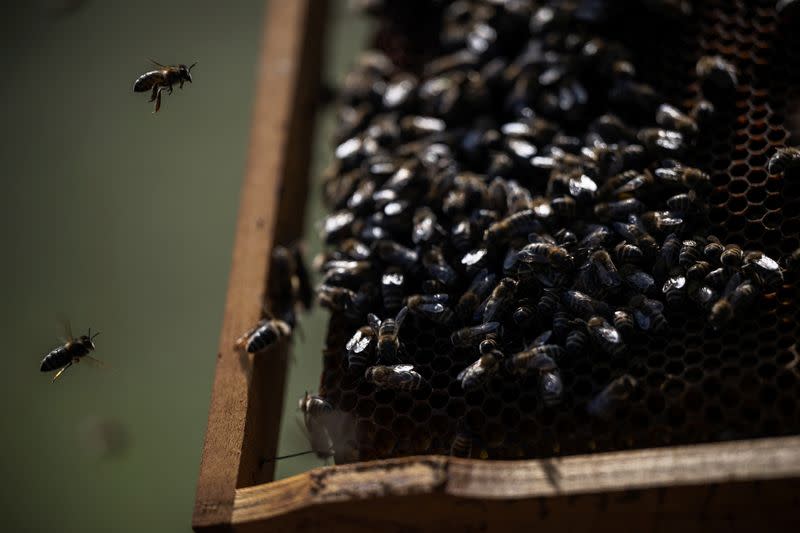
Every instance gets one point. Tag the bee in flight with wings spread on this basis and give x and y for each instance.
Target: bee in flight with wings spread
(72, 351)
(164, 77)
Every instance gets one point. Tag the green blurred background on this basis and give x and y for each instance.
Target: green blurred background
(123, 221)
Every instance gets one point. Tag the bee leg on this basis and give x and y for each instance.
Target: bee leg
(158, 101)
(170, 89)
(154, 93)
(58, 374)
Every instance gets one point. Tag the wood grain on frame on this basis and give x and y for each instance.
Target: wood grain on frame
(738, 485)
(247, 395)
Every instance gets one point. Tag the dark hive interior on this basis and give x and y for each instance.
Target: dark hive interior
(694, 383)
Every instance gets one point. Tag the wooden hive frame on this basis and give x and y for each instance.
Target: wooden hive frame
(741, 486)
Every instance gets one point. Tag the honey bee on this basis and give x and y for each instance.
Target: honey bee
(162, 78)
(543, 252)
(663, 221)
(388, 336)
(462, 443)
(475, 260)
(72, 351)
(713, 250)
(605, 335)
(674, 288)
(361, 346)
(541, 359)
(426, 228)
(500, 299)
(472, 334)
(738, 295)
(516, 225)
(623, 321)
(392, 283)
(618, 209)
(792, 261)
(583, 305)
(704, 296)
(690, 253)
(562, 322)
(612, 397)
(478, 290)
(337, 226)
(628, 253)
(661, 142)
(431, 306)
(698, 271)
(784, 158)
(687, 202)
(648, 314)
(635, 234)
(703, 112)
(263, 335)
(314, 408)
(436, 266)
(598, 269)
(479, 372)
(672, 119)
(689, 177)
(763, 269)
(732, 256)
(717, 278)
(399, 377)
(549, 302)
(336, 299)
(461, 235)
(577, 339)
(396, 254)
(524, 314)
(667, 257)
(715, 72)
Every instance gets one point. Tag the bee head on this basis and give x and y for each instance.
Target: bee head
(186, 72)
(88, 339)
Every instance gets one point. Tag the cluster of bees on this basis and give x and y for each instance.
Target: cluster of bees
(530, 196)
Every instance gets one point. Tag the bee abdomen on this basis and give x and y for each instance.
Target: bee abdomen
(144, 83)
(56, 359)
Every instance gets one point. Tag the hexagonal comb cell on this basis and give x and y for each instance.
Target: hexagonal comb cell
(694, 384)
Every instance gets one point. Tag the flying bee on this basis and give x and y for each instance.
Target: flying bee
(785, 158)
(473, 334)
(500, 299)
(612, 397)
(479, 372)
(552, 254)
(605, 335)
(72, 351)
(263, 335)
(669, 117)
(162, 78)
(689, 177)
(388, 336)
(648, 314)
(478, 290)
(399, 377)
(716, 73)
(431, 306)
(623, 321)
(361, 346)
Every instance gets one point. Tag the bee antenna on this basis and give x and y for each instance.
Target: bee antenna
(192, 66)
(288, 456)
(91, 337)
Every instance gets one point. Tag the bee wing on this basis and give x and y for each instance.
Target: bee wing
(156, 63)
(64, 329)
(609, 333)
(97, 363)
(403, 368)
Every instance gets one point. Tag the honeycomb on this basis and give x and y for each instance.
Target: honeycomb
(697, 385)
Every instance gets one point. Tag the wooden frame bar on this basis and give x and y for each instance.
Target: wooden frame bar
(739, 486)
(247, 395)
